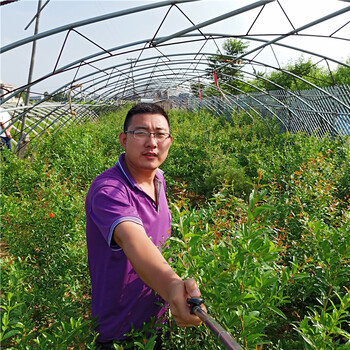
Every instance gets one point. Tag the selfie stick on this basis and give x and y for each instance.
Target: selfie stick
(212, 324)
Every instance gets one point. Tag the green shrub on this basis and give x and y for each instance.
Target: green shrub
(267, 239)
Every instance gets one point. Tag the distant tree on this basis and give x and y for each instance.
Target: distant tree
(342, 74)
(307, 71)
(226, 67)
(46, 94)
(59, 97)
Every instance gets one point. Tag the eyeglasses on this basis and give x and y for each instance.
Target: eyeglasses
(143, 135)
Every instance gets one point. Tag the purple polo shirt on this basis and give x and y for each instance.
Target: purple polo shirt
(119, 297)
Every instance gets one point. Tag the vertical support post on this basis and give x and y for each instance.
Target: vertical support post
(24, 139)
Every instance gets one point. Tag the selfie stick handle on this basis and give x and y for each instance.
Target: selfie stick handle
(213, 325)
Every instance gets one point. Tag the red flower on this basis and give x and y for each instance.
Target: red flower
(51, 215)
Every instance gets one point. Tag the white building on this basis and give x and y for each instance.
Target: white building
(5, 90)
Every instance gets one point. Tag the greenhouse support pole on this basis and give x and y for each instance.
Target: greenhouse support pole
(24, 139)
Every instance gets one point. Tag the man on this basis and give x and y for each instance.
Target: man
(128, 220)
(5, 136)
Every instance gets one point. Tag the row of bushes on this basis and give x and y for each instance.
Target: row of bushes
(260, 220)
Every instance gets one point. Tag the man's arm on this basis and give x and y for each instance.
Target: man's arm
(7, 131)
(154, 270)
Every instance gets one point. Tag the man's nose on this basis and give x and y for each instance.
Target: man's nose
(152, 139)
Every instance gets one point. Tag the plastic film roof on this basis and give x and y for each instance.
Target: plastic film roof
(159, 51)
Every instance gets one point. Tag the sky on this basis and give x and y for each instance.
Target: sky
(14, 64)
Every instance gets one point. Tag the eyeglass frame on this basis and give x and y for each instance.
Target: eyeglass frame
(149, 134)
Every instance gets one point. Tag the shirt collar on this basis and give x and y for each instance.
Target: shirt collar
(128, 176)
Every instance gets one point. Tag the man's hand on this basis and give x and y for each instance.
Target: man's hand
(180, 309)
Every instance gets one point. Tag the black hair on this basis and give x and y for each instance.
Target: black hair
(144, 108)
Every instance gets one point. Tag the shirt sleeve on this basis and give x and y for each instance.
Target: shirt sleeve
(109, 207)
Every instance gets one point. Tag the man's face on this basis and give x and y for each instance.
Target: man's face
(145, 154)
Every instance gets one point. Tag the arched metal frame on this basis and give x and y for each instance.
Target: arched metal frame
(154, 67)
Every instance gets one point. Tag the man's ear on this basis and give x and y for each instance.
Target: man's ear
(171, 138)
(122, 139)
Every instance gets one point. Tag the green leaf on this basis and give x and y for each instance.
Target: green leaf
(178, 240)
(277, 311)
(9, 334)
(258, 210)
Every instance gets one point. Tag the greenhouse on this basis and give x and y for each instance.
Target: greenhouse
(181, 61)
(258, 98)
